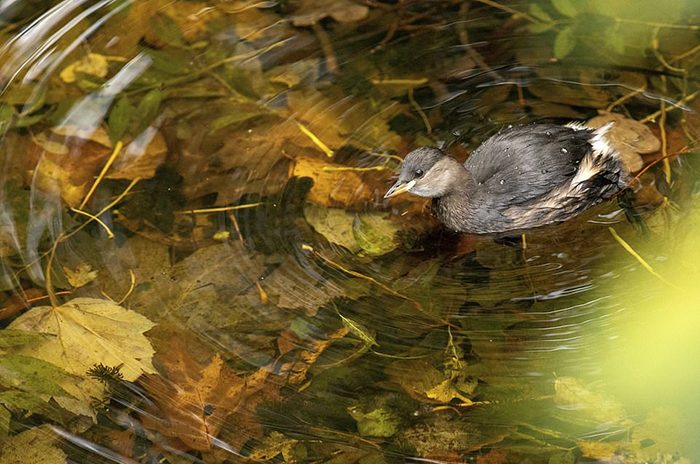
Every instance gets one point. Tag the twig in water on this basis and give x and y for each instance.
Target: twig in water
(628, 248)
(220, 209)
(319, 143)
(108, 164)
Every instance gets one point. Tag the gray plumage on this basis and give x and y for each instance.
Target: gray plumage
(520, 178)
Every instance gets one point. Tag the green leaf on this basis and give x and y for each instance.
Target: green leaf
(37, 445)
(377, 423)
(166, 30)
(566, 7)
(32, 375)
(616, 41)
(5, 418)
(564, 43)
(31, 404)
(148, 109)
(539, 13)
(119, 118)
(234, 118)
(6, 114)
(538, 28)
(375, 234)
(10, 338)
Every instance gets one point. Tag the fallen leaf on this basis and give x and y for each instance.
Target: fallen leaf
(85, 332)
(66, 159)
(574, 398)
(425, 382)
(631, 138)
(338, 120)
(141, 157)
(38, 446)
(195, 397)
(335, 224)
(312, 349)
(331, 187)
(310, 12)
(272, 446)
(92, 64)
(80, 276)
(88, 331)
(376, 423)
(375, 233)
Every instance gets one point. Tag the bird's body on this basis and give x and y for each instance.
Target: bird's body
(520, 178)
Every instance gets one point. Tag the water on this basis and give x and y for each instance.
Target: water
(211, 174)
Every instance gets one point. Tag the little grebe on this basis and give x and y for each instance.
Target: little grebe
(520, 178)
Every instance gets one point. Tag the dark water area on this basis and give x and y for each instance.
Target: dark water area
(198, 264)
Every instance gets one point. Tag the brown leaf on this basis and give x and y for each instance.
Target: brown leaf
(311, 12)
(297, 370)
(66, 160)
(631, 138)
(197, 396)
(331, 188)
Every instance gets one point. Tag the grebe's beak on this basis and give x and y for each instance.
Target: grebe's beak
(399, 187)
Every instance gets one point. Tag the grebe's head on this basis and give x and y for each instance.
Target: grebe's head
(426, 172)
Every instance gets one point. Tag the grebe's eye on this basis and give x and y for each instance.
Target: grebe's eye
(419, 173)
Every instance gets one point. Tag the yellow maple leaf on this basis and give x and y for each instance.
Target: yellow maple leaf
(85, 332)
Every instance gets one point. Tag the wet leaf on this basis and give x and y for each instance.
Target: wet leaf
(629, 137)
(164, 31)
(566, 7)
(148, 109)
(564, 43)
(12, 338)
(424, 382)
(6, 115)
(310, 12)
(575, 398)
(197, 396)
(376, 423)
(33, 375)
(335, 224)
(141, 157)
(331, 187)
(375, 233)
(538, 12)
(88, 331)
(93, 64)
(80, 276)
(38, 446)
(119, 118)
(272, 446)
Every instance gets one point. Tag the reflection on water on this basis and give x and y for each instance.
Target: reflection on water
(210, 175)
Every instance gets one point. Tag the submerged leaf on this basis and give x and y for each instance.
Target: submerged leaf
(38, 446)
(566, 7)
(93, 64)
(311, 12)
(377, 423)
(88, 331)
(564, 43)
(119, 118)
